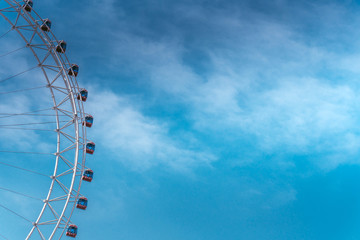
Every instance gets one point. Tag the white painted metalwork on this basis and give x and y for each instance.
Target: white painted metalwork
(70, 155)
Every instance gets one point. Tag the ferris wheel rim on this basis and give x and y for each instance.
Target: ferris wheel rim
(72, 87)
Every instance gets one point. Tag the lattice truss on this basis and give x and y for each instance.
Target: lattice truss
(49, 130)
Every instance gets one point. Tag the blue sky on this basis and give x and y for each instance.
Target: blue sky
(233, 120)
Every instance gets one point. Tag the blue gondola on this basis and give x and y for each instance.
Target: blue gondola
(90, 147)
(61, 47)
(88, 121)
(82, 95)
(73, 70)
(46, 25)
(82, 203)
(88, 175)
(72, 231)
(28, 5)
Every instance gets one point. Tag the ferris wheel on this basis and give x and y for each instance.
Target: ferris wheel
(43, 142)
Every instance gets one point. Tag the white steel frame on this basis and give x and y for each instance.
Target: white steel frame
(76, 166)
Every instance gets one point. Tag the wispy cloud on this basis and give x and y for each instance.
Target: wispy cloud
(276, 89)
(289, 84)
(140, 141)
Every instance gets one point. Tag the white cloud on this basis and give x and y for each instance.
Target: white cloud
(267, 77)
(137, 140)
(301, 115)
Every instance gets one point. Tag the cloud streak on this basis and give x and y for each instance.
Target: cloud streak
(261, 77)
(139, 141)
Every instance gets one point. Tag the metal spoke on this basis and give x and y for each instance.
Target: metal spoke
(3, 35)
(32, 129)
(5, 79)
(5, 54)
(23, 169)
(29, 114)
(3, 237)
(24, 113)
(23, 124)
(25, 152)
(19, 193)
(22, 90)
(15, 213)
